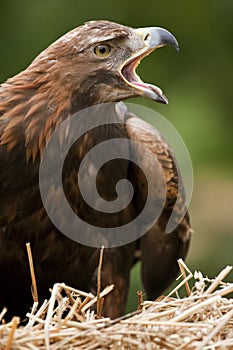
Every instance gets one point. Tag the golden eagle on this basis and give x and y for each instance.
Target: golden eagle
(93, 64)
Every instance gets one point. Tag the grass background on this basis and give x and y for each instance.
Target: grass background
(198, 83)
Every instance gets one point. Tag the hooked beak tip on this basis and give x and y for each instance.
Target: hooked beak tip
(161, 37)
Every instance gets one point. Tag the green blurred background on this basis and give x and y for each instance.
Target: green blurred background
(197, 81)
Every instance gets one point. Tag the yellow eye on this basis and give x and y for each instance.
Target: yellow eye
(102, 50)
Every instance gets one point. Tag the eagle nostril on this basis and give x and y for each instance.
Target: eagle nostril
(146, 37)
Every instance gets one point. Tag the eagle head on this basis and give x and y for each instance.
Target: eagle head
(99, 59)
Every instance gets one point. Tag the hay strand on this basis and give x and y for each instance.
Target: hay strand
(15, 322)
(183, 268)
(31, 266)
(100, 300)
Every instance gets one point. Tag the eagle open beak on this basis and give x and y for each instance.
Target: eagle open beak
(153, 38)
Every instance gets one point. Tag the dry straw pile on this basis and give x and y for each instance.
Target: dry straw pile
(202, 320)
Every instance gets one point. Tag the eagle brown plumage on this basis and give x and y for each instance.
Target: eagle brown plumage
(94, 63)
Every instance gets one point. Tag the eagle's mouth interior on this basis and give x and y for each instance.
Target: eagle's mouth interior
(128, 72)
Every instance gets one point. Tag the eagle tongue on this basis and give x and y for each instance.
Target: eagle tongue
(153, 92)
(160, 97)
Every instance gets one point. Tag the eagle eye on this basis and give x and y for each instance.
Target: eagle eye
(102, 50)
